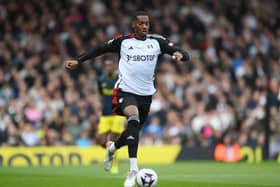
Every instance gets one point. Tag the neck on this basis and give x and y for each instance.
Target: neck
(110, 75)
(138, 37)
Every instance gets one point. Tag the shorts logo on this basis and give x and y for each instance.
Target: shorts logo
(120, 100)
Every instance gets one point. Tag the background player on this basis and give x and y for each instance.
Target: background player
(110, 126)
(132, 97)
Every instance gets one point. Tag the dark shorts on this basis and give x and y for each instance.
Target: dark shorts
(123, 99)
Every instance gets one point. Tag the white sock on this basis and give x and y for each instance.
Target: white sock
(133, 164)
(112, 147)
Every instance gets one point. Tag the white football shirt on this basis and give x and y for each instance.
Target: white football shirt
(137, 60)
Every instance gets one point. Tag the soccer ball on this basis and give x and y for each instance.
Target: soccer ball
(146, 178)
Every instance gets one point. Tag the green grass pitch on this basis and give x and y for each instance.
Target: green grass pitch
(182, 174)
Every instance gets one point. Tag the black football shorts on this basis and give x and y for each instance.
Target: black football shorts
(121, 99)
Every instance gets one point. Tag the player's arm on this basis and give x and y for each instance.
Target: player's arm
(111, 46)
(176, 53)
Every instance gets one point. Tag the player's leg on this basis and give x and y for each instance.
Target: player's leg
(119, 101)
(126, 104)
(131, 137)
(115, 164)
(102, 139)
(143, 110)
(116, 130)
(122, 100)
(103, 133)
(103, 130)
(117, 127)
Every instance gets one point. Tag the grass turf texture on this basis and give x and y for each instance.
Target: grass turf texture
(182, 174)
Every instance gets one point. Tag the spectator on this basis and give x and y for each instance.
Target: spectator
(29, 135)
(83, 140)
(228, 151)
(152, 132)
(230, 44)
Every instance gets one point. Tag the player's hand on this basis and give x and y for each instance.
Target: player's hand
(177, 56)
(70, 64)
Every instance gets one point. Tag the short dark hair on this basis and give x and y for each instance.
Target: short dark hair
(108, 57)
(138, 13)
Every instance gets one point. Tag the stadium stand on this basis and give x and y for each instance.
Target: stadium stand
(221, 91)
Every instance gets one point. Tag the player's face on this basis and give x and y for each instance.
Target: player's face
(109, 67)
(141, 26)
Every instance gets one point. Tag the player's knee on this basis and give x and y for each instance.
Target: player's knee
(133, 123)
(133, 118)
(114, 136)
(101, 140)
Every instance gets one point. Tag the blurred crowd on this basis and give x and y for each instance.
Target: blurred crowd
(221, 91)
